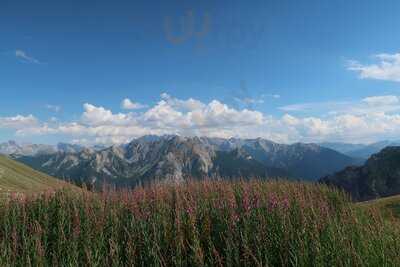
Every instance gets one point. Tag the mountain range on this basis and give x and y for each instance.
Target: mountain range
(174, 158)
(358, 151)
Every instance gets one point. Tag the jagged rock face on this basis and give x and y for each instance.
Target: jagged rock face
(69, 148)
(174, 159)
(140, 161)
(378, 177)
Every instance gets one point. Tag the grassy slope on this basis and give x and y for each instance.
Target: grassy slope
(389, 206)
(17, 177)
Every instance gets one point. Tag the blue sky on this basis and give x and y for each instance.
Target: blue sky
(301, 66)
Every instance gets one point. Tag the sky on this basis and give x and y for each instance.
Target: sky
(291, 71)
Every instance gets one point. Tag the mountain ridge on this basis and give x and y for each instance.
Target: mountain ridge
(175, 158)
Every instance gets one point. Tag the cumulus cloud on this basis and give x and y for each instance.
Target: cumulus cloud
(129, 104)
(368, 119)
(95, 116)
(387, 68)
(22, 55)
(189, 104)
(193, 117)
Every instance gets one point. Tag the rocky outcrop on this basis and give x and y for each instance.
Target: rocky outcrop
(378, 177)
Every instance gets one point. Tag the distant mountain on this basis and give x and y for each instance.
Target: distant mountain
(11, 147)
(360, 151)
(173, 158)
(18, 150)
(69, 148)
(344, 148)
(368, 150)
(302, 161)
(378, 177)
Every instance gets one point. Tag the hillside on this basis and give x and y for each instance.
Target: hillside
(17, 177)
(378, 177)
(388, 206)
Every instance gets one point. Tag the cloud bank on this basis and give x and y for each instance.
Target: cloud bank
(365, 120)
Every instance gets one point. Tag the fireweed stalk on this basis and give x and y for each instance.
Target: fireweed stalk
(203, 223)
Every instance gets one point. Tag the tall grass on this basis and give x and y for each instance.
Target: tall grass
(196, 224)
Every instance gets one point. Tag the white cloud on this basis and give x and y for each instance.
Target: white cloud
(129, 104)
(194, 117)
(369, 119)
(184, 105)
(25, 57)
(387, 68)
(18, 122)
(95, 116)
